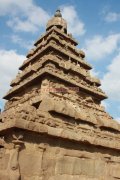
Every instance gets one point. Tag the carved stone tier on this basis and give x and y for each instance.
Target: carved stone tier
(66, 65)
(38, 52)
(54, 128)
(60, 33)
(96, 92)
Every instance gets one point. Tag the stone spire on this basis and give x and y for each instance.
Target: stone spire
(53, 126)
(57, 21)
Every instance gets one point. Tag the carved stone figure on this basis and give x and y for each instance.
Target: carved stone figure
(14, 172)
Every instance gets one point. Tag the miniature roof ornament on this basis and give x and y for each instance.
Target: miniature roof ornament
(58, 13)
(57, 21)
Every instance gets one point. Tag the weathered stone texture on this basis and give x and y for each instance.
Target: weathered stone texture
(53, 126)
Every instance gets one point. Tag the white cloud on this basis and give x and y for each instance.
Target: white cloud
(9, 63)
(98, 47)
(105, 104)
(75, 25)
(21, 42)
(117, 119)
(112, 17)
(94, 73)
(19, 25)
(25, 15)
(111, 80)
(1, 107)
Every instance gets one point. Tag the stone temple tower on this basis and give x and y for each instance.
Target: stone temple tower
(53, 126)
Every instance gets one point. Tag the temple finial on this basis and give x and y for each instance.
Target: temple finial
(58, 13)
(57, 21)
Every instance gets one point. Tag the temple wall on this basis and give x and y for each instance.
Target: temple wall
(46, 158)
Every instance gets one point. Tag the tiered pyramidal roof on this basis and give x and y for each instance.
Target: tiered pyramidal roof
(55, 90)
(55, 77)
